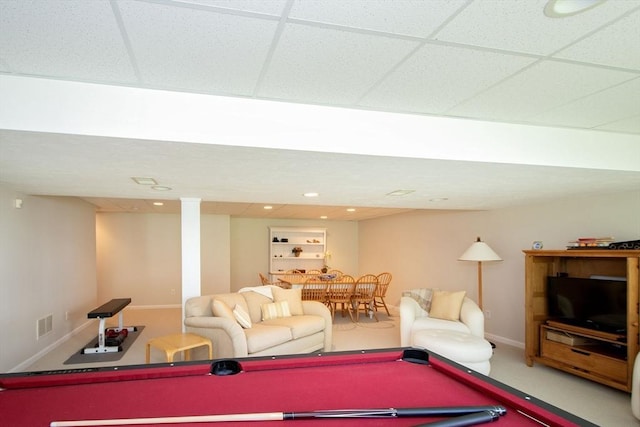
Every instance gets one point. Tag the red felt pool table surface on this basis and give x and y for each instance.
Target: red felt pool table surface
(354, 380)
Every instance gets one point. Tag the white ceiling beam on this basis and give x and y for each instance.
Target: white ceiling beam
(67, 107)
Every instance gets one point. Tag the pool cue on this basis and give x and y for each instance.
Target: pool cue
(465, 420)
(281, 416)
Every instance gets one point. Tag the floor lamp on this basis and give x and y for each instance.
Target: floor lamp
(481, 252)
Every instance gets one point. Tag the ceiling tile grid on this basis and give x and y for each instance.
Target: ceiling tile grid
(329, 66)
(270, 7)
(597, 110)
(408, 17)
(436, 57)
(496, 60)
(521, 26)
(616, 45)
(437, 78)
(543, 86)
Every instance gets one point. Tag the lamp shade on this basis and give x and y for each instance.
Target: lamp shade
(479, 251)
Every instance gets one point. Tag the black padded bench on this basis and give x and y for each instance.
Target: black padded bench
(108, 309)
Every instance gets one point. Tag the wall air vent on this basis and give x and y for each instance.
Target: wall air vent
(44, 326)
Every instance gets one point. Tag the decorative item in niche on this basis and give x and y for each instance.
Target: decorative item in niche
(327, 258)
(296, 251)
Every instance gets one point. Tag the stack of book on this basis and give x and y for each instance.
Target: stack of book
(590, 242)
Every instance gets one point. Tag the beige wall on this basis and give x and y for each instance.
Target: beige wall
(421, 249)
(139, 257)
(48, 256)
(47, 267)
(250, 246)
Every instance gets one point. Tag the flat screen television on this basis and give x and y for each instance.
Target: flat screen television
(595, 303)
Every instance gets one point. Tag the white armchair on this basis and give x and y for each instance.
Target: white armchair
(413, 318)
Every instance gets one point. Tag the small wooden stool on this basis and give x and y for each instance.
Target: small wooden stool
(171, 344)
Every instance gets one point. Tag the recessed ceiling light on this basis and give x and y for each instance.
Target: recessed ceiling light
(311, 194)
(563, 8)
(351, 209)
(158, 204)
(267, 207)
(160, 188)
(324, 217)
(144, 180)
(400, 192)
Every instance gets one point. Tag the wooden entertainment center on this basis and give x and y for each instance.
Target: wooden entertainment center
(599, 356)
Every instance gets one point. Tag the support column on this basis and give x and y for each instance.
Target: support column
(190, 249)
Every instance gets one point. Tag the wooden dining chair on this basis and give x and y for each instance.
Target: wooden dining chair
(315, 289)
(339, 292)
(381, 291)
(363, 295)
(264, 280)
(290, 278)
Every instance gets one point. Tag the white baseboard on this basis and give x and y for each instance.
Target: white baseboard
(28, 362)
(503, 340)
(89, 323)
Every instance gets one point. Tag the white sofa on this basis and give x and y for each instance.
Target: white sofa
(414, 318)
(307, 329)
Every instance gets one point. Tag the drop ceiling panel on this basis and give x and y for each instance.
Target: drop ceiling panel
(629, 125)
(598, 109)
(407, 17)
(271, 7)
(522, 26)
(71, 39)
(616, 45)
(196, 50)
(437, 78)
(329, 66)
(545, 85)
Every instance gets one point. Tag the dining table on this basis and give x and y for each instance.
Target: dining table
(297, 280)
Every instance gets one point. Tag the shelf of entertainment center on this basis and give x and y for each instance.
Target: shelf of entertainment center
(594, 359)
(619, 339)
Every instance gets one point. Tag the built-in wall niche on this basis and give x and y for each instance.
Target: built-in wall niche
(296, 248)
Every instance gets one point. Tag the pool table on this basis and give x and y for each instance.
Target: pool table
(382, 379)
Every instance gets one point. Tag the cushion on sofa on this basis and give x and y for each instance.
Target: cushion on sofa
(293, 298)
(197, 307)
(275, 310)
(220, 309)
(422, 296)
(242, 317)
(301, 326)
(254, 302)
(262, 336)
(446, 305)
(231, 299)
